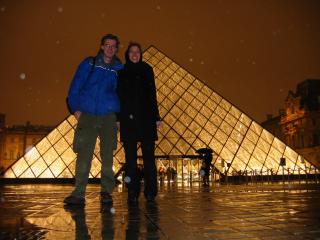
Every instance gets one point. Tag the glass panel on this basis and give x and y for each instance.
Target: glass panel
(220, 112)
(43, 146)
(280, 146)
(166, 61)
(195, 128)
(184, 84)
(235, 135)
(202, 98)
(170, 119)
(196, 104)
(206, 111)
(183, 146)
(166, 146)
(241, 128)
(185, 119)
(50, 156)
(27, 174)
(232, 145)
(238, 165)
(245, 120)
(66, 174)
(248, 145)
(32, 155)
(176, 111)
(252, 136)
(191, 111)
(179, 90)
(54, 136)
(61, 146)
(168, 71)
(255, 164)
(227, 155)
(176, 77)
(182, 104)
(221, 136)
(205, 137)
(161, 65)
(38, 167)
(215, 145)
(68, 156)
(19, 167)
(174, 66)
(243, 155)
(189, 78)
(72, 120)
(46, 174)
(182, 72)
(57, 167)
(231, 120)
(235, 112)
(262, 144)
(226, 127)
(215, 97)
(198, 84)
(159, 55)
(179, 127)
(256, 128)
(201, 120)
(216, 119)
(95, 167)
(162, 78)
(211, 104)
(267, 136)
(206, 90)
(153, 61)
(167, 103)
(259, 155)
(225, 105)
(194, 91)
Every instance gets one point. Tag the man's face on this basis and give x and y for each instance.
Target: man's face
(109, 48)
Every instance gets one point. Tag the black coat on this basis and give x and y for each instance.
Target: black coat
(138, 103)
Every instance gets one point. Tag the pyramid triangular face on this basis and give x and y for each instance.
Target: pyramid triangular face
(194, 116)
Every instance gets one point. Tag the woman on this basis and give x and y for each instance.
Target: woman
(139, 118)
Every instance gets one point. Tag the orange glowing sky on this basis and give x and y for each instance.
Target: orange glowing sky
(252, 52)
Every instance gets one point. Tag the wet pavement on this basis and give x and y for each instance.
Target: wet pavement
(257, 211)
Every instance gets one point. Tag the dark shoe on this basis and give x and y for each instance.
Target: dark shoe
(150, 198)
(106, 198)
(74, 200)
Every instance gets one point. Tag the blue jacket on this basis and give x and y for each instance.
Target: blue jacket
(93, 88)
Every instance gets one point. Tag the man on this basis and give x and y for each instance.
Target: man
(93, 100)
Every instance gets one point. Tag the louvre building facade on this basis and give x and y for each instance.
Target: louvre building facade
(194, 116)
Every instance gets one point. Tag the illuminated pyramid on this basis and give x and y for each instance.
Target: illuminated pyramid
(194, 116)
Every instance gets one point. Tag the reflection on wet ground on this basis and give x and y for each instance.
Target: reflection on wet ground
(270, 211)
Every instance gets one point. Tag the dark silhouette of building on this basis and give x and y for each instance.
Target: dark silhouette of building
(298, 124)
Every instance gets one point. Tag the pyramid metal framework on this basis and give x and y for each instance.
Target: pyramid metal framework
(194, 116)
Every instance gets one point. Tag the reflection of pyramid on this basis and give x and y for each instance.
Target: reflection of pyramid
(194, 116)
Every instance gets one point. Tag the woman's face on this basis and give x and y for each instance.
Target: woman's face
(134, 54)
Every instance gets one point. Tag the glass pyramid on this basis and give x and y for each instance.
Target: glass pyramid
(194, 116)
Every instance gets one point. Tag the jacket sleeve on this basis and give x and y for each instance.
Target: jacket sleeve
(153, 93)
(77, 84)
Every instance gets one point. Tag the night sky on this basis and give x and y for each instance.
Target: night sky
(252, 52)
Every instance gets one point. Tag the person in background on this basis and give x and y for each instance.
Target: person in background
(93, 100)
(139, 118)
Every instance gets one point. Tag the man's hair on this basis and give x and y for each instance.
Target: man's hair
(110, 36)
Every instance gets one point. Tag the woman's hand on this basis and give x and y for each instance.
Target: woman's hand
(159, 124)
(77, 115)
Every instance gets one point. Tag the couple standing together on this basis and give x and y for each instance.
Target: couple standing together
(103, 96)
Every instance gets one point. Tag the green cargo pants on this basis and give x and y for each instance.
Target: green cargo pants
(88, 129)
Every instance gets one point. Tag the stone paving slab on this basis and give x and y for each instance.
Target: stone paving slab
(257, 211)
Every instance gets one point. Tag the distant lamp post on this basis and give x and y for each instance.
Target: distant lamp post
(282, 164)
